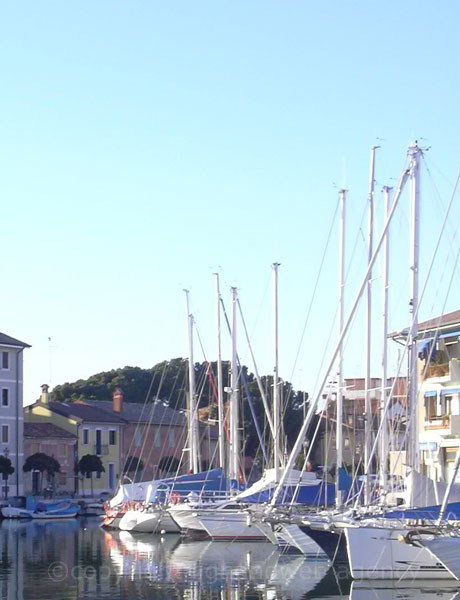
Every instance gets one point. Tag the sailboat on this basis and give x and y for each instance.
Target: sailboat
(370, 539)
(144, 507)
(242, 516)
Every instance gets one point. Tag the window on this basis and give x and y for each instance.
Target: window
(98, 448)
(62, 478)
(5, 398)
(112, 437)
(61, 450)
(5, 434)
(171, 438)
(430, 407)
(157, 439)
(5, 360)
(99, 475)
(86, 436)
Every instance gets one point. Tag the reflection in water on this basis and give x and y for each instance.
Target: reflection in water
(76, 560)
(214, 569)
(404, 590)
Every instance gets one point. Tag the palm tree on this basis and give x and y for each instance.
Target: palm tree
(89, 464)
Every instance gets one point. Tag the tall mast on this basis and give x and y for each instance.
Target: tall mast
(234, 438)
(220, 389)
(191, 400)
(384, 390)
(276, 397)
(313, 405)
(367, 383)
(339, 403)
(415, 154)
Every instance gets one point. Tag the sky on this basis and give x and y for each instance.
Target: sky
(145, 145)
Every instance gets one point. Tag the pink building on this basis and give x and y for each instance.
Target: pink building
(53, 441)
(154, 431)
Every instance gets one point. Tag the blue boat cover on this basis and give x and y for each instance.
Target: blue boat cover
(322, 494)
(207, 481)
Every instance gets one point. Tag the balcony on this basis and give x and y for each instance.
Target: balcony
(436, 371)
(449, 370)
(101, 449)
(448, 424)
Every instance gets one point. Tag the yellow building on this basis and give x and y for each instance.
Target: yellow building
(97, 432)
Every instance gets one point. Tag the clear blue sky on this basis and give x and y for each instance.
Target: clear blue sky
(144, 145)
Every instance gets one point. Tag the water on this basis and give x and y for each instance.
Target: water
(76, 560)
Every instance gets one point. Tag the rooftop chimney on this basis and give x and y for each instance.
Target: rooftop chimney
(44, 396)
(117, 400)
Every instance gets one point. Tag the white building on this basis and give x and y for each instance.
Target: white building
(439, 399)
(11, 411)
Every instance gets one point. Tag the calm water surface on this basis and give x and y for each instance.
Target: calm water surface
(77, 560)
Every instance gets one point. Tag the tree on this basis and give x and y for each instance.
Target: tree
(168, 464)
(43, 463)
(6, 469)
(167, 381)
(133, 464)
(89, 464)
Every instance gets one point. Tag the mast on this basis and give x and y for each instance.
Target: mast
(191, 400)
(234, 438)
(367, 383)
(220, 389)
(415, 154)
(276, 399)
(384, 390)
(313, 406)
(339, 403)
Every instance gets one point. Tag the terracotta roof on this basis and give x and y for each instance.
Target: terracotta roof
(452, 318)
(46, 430)
(7, 340)
(85, 412)
(446, 321)
(155, 413)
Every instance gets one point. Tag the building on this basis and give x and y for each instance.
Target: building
(150, 432)
(11, 415)
(53, 441)
(354, 420)
(116, 430)
(439, 396)
(153, 431)
(96, 431)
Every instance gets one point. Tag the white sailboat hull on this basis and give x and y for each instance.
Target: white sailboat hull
(186, 519)
(155, 521)
(226, 525)
(378, 553)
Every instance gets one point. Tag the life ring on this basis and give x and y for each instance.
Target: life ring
(174, 498)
